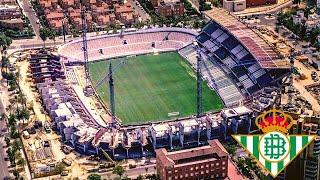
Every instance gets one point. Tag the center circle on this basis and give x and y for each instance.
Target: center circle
(274, 146)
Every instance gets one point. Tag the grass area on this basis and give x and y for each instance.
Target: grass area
(148, 87)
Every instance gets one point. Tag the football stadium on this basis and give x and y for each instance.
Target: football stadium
(155, 87)
(155, 83)
(149, 87)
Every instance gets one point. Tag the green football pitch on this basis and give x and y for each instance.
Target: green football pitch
(148, 87)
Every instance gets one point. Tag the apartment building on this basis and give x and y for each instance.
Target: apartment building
(206, 162)
(9, 12)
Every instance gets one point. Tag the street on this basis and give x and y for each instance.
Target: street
(4, 171)
(139, 9)
(29, 12)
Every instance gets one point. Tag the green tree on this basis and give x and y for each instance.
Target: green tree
(21, 162)
(7, 140)
(45, 33)
(52, 35)
(140, 177)
(16, 145)
(59, 168)
(94, 177)
(12, 120)
(231, 149)
(11, 155)
(118, 170)
(5, 42)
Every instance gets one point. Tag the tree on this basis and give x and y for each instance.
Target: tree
(52, 35)
(7, 140)
(231, 149)
(12, 120)
(16, 145)
(23, 114)
(118, 170)
(94, 177)
(44, 34)
(21, 162)
(59, 168)
(11, 155)
(140, 177)
(5, 42)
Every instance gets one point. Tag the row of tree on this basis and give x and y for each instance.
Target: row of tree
(47, 33)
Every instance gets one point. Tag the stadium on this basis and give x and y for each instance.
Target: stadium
(157, 79)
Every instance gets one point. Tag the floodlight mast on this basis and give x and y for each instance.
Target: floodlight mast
(199, 81)
(84, 42)
(111, 89)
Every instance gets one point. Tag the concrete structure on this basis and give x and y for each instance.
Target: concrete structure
(206, 162)
(16, 24)
(240, 5)
(234, 5)
(239, 119)
(45, 66)
(168, 8)
(99, 14)
(8, 12)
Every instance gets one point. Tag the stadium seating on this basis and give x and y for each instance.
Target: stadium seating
(137, 43)
(216, 77)
(226, 49)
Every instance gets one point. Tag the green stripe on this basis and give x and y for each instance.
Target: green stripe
(268, 165)
(280, 165)
(304, 141)
(292, 147)
(243, 140)
(255, 146)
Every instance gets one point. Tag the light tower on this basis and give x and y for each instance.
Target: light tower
(111, 89)
(84, 42)
(199, 81)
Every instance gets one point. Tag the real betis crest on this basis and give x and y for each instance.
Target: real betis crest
(274, 149)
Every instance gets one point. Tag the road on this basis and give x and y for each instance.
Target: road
(29, 12)
(139, 9)
(4, 171)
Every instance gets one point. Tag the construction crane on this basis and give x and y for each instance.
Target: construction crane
(199, 81)
(111, 89)
(84, 42)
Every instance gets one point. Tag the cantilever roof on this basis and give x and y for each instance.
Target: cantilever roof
(259, 48)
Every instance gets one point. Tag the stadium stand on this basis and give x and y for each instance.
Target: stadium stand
(239, 50)
(133, 43)
(215, 76)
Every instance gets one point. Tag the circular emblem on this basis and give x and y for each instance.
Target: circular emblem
(274, 146)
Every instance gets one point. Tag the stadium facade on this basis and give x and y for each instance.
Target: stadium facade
(236, 64)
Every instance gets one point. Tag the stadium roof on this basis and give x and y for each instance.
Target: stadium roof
(259, 48)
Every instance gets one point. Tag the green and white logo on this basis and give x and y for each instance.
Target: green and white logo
(274, 150)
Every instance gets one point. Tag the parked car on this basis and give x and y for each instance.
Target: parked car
(46, 144)
(64, 173)
(314, 76)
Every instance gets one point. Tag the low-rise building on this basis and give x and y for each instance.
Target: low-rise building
(8, 12)
(125, 14)
(170, 9)
(16, 24)
(206, 162)
(240, 5)
(234, 5)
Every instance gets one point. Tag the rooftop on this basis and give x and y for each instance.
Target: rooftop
(259, 48)
(213, 150)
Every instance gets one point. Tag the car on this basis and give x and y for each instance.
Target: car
(6, 158)
(46, 144)
(64, 173)
(32, 130)
(66, 149)
(314, 76)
